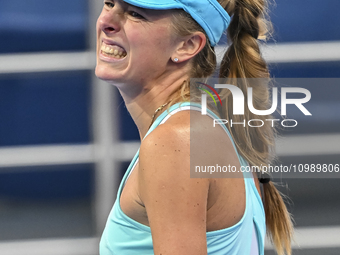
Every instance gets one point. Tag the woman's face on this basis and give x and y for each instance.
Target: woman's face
(134, 45)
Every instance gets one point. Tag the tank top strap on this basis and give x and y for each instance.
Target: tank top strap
(196, 106)
(134, 161)
(166, 113)
(163, 117)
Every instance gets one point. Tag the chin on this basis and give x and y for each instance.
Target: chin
(107, 75)
(99, 72)
(104, 74)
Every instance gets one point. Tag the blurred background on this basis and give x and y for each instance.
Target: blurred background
(66, 138)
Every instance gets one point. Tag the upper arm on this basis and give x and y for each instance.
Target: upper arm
(176, 204)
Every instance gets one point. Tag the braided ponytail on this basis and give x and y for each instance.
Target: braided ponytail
(243, 60)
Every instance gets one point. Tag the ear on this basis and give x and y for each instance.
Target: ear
(189, 46)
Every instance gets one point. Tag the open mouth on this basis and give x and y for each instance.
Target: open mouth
(114, 51)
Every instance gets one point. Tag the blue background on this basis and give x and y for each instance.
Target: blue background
(54, 108)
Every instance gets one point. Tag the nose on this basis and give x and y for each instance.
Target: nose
(109, 21)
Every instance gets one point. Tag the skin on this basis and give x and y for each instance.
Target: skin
(147, 76)
(160, 193)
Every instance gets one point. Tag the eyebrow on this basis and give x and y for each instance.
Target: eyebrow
(145, 11)
(121, 2)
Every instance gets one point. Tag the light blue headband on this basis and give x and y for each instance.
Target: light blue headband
(208, 13)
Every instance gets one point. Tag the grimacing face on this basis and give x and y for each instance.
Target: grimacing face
(133, 44)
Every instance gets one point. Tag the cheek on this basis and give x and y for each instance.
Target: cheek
(138, 38)
(161, 39)
(155, 40)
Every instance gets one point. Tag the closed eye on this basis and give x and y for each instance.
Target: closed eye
(109, 4)
(136, 15)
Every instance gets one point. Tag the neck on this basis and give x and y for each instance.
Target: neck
(142, 100)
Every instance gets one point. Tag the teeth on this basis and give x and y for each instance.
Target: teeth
(109, 50)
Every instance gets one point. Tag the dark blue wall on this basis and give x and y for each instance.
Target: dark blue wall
(53, 108)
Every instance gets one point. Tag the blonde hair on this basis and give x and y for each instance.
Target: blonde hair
(243, 60)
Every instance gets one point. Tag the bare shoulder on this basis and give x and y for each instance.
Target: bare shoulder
(169, 144)
(185, 136)
(175, 203)
(167, 147)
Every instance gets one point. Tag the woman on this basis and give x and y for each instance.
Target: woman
(149, 49)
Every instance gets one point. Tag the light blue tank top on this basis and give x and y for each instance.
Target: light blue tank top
(125, 236)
